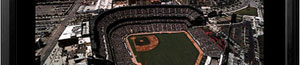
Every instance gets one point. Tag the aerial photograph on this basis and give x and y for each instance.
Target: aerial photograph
(149, 32)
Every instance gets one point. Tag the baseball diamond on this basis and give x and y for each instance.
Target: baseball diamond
(173, 48)
(144, 43)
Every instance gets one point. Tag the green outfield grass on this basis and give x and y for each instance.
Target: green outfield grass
(172, 49)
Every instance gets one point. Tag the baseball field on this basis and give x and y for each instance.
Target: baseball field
(176, 48)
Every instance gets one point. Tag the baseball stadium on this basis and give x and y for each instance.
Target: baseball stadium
(152, 35)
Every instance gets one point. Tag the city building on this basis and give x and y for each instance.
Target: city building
(70, 35)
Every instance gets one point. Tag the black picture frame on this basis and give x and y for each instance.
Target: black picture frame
(292, 32)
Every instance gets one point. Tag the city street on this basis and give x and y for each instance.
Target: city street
(52, 41)
(244, 4)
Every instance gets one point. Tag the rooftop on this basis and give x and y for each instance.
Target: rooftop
(71, 31)
(85, 29)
